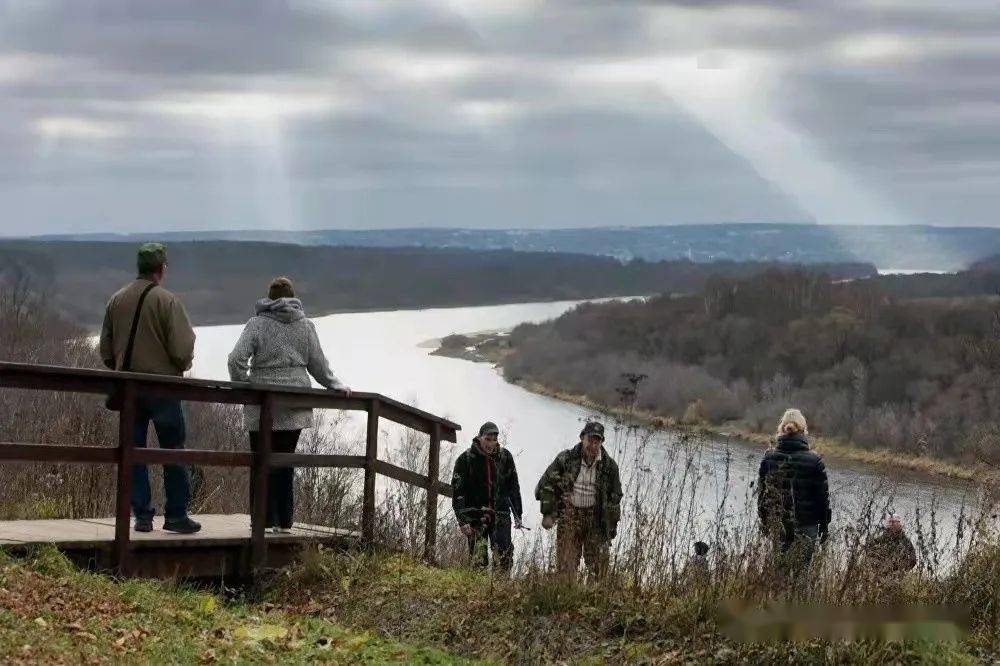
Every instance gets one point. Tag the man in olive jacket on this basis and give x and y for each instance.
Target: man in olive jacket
(581, 491)
(485, 492)
(163, 345)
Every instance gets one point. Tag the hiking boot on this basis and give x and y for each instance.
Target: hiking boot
(182, 526)
(143, 525)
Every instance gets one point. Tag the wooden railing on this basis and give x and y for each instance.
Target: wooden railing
(125, 454)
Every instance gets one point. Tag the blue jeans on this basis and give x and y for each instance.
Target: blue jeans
(168, 419)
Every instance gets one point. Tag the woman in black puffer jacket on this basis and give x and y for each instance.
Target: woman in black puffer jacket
(793, 499)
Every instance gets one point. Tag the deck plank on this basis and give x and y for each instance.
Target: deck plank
(217, 529)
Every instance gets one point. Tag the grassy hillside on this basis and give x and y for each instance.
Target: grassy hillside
(51, 613)
(541, 619)
(381, 609)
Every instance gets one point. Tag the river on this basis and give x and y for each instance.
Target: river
(380, 352)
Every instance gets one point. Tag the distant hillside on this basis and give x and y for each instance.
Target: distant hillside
(888, 247)
(982, 278)
(220, 280)
(987, 265)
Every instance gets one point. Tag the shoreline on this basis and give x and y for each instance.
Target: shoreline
(830, 447)
(488, 346)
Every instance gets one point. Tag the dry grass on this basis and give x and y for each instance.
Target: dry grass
(51, 613)
(650, 610)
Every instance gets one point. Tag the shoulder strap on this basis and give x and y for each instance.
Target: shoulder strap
(127, 359)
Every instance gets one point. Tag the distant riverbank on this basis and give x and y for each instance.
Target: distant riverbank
(492, 346)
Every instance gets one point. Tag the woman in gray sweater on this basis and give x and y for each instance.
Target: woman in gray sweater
(279, 345)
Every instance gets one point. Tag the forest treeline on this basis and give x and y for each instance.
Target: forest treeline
(982, 277)
(916, 374)
(219, 281)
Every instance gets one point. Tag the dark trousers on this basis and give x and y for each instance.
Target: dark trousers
(794, 552)
(280, 481)
(797, 545)
(168, 419)
(496, 537)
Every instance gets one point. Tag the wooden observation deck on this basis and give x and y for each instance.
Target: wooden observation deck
(228, 545)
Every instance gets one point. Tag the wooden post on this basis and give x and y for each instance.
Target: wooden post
(433, 473)
(123, 501)
(260, 472)
(371, 458)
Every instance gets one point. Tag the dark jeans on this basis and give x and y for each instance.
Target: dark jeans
(498, 538)
(280, 481)
(797, 546)
(168, 419)
(795, 551)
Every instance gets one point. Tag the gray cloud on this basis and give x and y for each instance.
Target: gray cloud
(131, 115)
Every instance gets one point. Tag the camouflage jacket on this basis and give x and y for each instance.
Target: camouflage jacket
(556, 485)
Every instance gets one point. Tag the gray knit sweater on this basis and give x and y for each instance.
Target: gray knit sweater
(280, 346)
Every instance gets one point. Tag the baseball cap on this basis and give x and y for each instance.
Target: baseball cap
(489, 428)
(151, 256)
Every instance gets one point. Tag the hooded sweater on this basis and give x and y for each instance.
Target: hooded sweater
(279, 346)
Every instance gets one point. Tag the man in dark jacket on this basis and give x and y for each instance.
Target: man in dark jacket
(793, 499)
(581, 491)
(486, 491)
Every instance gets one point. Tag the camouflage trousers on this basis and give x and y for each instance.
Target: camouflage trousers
(579, 533)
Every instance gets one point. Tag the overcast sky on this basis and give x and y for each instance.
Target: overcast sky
(167, 114)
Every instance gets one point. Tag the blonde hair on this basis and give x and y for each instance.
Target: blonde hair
(281, 287)
(792, 423)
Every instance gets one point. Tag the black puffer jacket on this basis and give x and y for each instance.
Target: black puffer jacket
(793, 490)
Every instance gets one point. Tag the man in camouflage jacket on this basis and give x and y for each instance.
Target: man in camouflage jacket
(581, 491)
